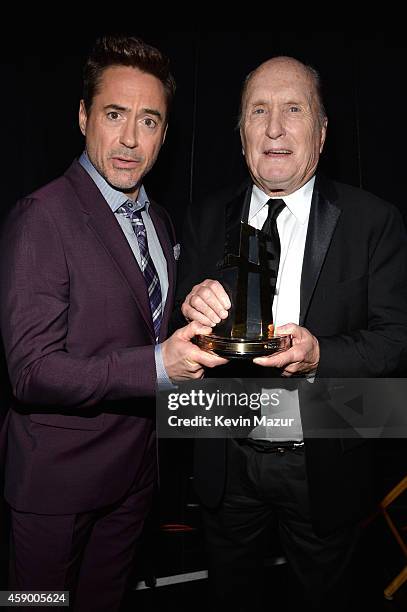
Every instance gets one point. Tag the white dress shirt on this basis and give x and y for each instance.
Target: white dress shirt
(292, 225)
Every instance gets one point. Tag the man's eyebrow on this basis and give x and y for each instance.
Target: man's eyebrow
(116, 107)
(152, 111)
(258, 102)
(296, 102)
(125, 109)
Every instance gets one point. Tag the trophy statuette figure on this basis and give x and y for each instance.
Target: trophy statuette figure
(248, 273)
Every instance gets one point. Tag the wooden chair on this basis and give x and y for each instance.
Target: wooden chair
(401, 578)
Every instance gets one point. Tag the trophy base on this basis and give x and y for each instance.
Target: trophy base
(240, 348)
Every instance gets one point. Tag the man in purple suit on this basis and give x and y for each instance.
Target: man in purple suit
(87, 282)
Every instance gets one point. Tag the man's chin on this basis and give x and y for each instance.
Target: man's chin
(125, 186)
(272, 185)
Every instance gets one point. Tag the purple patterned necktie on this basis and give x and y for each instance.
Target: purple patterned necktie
(147, 264)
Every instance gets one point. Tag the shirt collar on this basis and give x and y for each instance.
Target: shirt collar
(112, 196)
(298, 202)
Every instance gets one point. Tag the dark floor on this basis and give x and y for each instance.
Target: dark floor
(379, 560)
(193, 596)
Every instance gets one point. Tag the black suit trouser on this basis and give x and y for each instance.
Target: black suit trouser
(265, 490)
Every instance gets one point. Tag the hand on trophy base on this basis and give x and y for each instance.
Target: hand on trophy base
(242, 348)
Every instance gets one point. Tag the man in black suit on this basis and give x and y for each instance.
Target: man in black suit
(341, 294)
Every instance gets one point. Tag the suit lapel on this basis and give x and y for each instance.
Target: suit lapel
(102, 222)
(324, 215)
(236, 212)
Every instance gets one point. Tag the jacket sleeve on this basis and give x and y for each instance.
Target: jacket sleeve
(379, 348)
(34, 318)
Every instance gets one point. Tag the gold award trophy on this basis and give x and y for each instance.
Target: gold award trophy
(249, 278)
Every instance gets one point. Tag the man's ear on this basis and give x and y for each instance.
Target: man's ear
(83, 117)
(242, 141)
(323, 134)
(165, 134)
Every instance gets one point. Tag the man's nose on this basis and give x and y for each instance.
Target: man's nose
(129, 135)
(275, 125)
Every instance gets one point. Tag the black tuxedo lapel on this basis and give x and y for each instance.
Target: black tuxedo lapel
(324, 215)
(236, 212)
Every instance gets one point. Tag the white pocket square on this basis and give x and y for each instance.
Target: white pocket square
(177, 250)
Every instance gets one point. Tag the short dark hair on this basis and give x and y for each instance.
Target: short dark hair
(120, 50)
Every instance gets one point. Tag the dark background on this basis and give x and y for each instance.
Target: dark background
(364, 77)
(365, 95)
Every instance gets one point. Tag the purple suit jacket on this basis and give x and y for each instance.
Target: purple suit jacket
(79, 343)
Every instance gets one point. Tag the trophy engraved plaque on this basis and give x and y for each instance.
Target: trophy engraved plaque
(248, 273)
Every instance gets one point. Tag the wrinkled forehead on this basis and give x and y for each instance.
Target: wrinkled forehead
(281, 80)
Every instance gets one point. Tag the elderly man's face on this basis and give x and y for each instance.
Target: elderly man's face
(125, 127)
(281, 131)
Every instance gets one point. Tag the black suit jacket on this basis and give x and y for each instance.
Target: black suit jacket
(353, 299)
